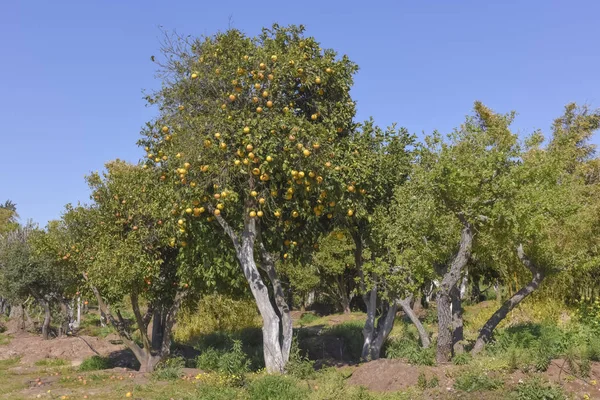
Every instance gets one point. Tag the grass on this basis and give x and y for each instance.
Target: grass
(329, 320)
(91, 326)
(486, 376)
(4, 339)
(95, 363)
(52, 362)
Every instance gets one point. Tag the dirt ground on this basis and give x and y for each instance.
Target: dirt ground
(32, 348)
(387, 375)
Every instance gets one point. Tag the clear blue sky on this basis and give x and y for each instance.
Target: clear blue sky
(72, 72)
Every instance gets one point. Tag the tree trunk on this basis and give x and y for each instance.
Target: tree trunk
(457, 321)
(17, 312)
(369, 297)
(244, 246)
(485, 334)
(148, 362)
(47, 319)
(405, 304)
(444, 301)
(158, 327)
(78, 311)
(268, 266)
(383, 329)
(345, 303)
(417, 305)
(274, 360)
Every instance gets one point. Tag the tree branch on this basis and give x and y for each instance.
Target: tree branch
(226, 227)
(143, 328)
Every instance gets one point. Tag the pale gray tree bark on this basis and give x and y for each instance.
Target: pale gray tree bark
(410, 313)
(537, 276)
(444, 300)
(276, 352)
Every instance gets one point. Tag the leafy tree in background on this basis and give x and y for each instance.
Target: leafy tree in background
(8, 217)
(125, 247)
(453, 192)
(377, 162)
(329, 273)
(546, 229)
(26, 272)
(248, 135)
(45, 246)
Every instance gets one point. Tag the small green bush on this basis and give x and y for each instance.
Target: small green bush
(234, 363)
(307, 318)
(473, 381)
(351, 337)
(95, 363)
(169, 369)
(410, 351)
(537, 389)
(299, 366)
(251, 339)
(462, 359)
(276, 387)
(208, 360)
(216, 313)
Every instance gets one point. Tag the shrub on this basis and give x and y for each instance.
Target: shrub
(169, 369)
(410, 351)
(536, 389)
(299, 365)
(216, 313)
(90, 325)
(462, 359)
(232, 364)
(588, 314)
(276, 387)
(208, 360)
(251, 339)
(350, 334)
(95, 363)
(473, 381)
(307, 318)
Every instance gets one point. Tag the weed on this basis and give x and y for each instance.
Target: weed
(95, 363)
(350, 335)
(299, 365)
(276, 387)
(307, 318)
(169, 369)
(423, 383)
(410, 351)
(537, 389)
(52, 362)
(473, 381)
(462, 359)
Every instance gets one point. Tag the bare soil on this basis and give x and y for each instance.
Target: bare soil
(387, 375)
(32, 348)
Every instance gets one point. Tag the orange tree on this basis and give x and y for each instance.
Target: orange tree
(45, 246)
(455, 193)
(125, 247)
(376, 161)
(249, 133)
